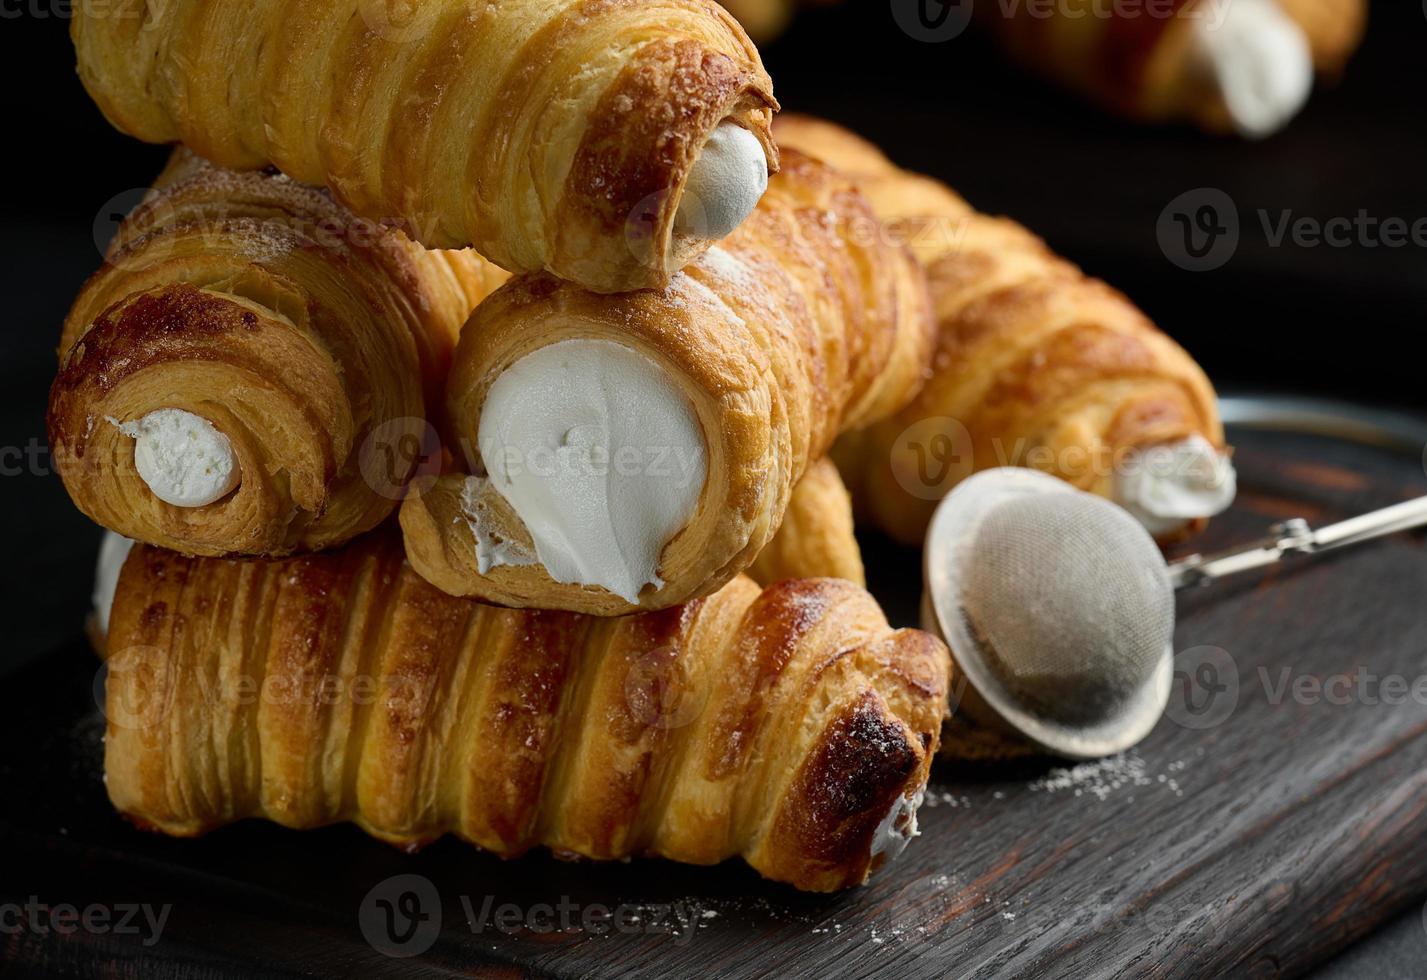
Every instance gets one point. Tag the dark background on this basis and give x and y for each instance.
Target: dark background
(1336, 321)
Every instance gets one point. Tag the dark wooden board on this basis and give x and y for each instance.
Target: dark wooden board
(1256, 846)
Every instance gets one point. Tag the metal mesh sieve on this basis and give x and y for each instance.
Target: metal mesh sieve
(1069, 603)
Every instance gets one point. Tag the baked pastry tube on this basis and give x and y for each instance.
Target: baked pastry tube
(1036, 364)
(604, 140)
(249, 372)
(793, 727)
(636, 451)
(1245, 66)
(816, 538)
(1334, 29)
(764, 20)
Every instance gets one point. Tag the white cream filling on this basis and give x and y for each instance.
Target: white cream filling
(184, 460)
(600, 455)
(724, 184)
(112, 554)
(493, 544)
(1167, 486)
(1259, 59)
(898, 827)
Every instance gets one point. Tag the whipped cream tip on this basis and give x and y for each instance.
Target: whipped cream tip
(113, 551)
(1166, 486)
(724, 184)
(898, 827)
(182, 457)
(1258, 58)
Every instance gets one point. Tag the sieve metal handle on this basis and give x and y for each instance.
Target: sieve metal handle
(1296, 537)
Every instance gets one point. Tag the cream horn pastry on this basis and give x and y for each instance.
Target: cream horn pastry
(1036, 364)
(816, 537)
(251, 369)
(636, 451)
(790, 727)
(608, 143)
(1244, 66)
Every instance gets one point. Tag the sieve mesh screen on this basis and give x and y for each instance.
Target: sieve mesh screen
(1068, 597)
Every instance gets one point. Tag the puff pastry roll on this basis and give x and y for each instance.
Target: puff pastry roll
(1227, 65)
(816, 537)
(1035, 365)
(250, 370)
(793, 727)
(637, 451)
(764, 20)
(606, 142)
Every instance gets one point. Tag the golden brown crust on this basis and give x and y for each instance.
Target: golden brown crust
(312, 340)
(536, 131)
(816, 537)
(1334, 29)
(781, 727)
(805, 322)
(1035, 364)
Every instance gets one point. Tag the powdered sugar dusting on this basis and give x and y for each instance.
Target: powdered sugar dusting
(713, 299)
(730, 269)
(1104, 777)
(940, 797)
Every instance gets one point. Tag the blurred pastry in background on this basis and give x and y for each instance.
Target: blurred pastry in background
(762, 19)
(1242, 66)
(1036, 365)
(765, 20)
(1228, 66)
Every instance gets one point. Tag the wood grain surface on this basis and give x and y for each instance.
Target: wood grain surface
(1275, 815)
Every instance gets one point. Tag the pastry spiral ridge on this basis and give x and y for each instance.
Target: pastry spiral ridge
(1035, 363)
(548, 135)
(783, 726)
